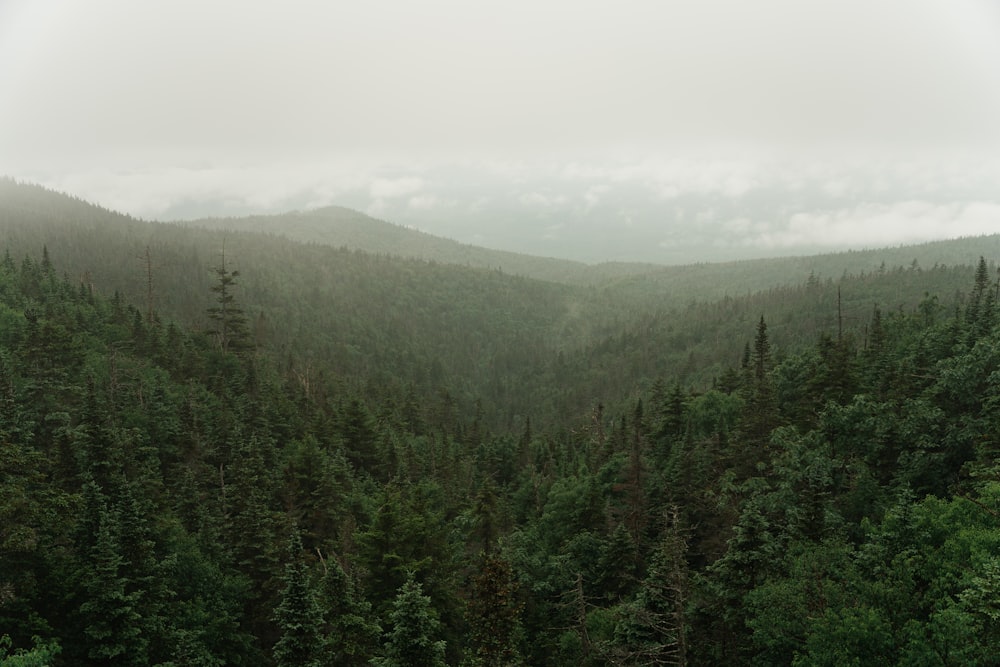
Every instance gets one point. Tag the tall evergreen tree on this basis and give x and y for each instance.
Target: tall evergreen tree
(298, 615)
(760, 415)
(653, 629)
(411, 641)
(229, 320)
(111, 619)
(980, 313)
(351, 633)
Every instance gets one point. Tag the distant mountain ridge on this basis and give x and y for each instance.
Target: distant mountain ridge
(343, 227)
(340, 227)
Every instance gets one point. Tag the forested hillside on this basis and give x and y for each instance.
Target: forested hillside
(484, 340)
(336, 458)
(341, 227)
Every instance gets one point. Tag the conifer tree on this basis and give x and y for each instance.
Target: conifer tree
(760, 411)
(351, 633)
(112, 623)
(229, 321)
(980, 314)
(298, 615)
(653, 630)
(760, 357)
(411, 642)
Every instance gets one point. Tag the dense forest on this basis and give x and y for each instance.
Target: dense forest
(241, 449)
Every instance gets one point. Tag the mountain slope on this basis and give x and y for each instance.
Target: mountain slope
(336, 226)
(473, 333)
(682, 284)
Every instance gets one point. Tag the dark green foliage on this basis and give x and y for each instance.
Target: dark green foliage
(980, 313)
(652, 628)
(110, 612)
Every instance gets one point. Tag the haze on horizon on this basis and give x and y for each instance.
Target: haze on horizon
(656, 131)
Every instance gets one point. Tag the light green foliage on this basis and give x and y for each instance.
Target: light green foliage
(43, 654)
(854, 636)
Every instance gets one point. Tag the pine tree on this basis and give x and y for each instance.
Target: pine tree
(351, 634)
(980, 314)
(112, 623)
(760, 357)
(411, 641)
(653, 628)
(760, 414)
(298, 615)
(230, 323)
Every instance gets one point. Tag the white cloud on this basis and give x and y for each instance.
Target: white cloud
(542, 200)
(737, 226)
(423, 202)
(389, 188)
(552, 231)
(592, 197)
(377, 208)
(873, 225)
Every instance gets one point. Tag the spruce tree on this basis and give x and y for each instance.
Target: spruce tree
(411, 642)
(760, 415)
(981, 311)
(111, 620)
(298, 616)
(229, 321)
(350, 632)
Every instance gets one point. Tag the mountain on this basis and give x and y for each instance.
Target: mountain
(343, 227)
(675, 284)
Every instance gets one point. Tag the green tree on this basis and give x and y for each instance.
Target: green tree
(652, 629)
(298, 615)
(351, 634)
(411, 641)
(760, 414)
(112, 622)
(42, 654)
(980, 313)
(229, 321)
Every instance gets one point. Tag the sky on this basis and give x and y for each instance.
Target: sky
(666, 131)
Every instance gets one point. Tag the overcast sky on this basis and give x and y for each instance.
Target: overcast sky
(552, 127)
